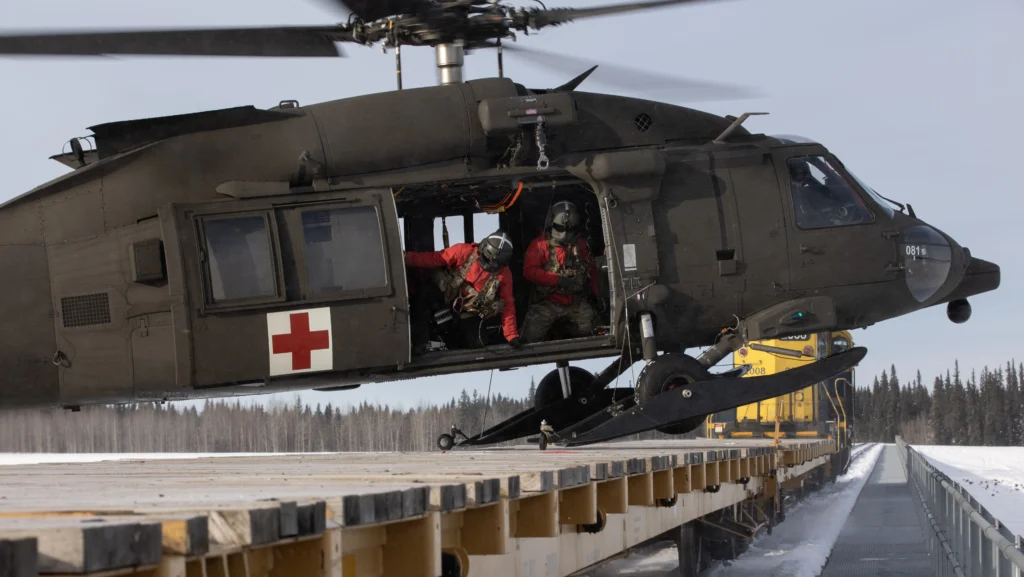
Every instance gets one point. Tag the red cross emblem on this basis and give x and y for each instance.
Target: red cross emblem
(300, 341)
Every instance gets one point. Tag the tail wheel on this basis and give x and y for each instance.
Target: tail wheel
(549, 390)
(671, 372)
(445, 442)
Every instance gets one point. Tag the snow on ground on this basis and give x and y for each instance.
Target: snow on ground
(797, 547)
(994, 476)
(802, 543)
(660, 560)
(40, 458)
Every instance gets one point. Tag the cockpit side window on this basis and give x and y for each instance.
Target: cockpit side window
(822, 198)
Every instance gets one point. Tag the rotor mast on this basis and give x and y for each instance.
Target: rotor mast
(450, 58)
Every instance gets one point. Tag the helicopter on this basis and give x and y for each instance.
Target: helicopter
(249, 251)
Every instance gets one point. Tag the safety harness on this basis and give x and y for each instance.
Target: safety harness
(574, 266)
(468, 301)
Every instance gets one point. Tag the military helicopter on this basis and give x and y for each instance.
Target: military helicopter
(248, 251)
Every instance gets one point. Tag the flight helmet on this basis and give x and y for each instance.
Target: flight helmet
(494, 252)
(563, 222)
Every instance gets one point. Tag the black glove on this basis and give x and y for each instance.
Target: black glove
(598, 303)
(517, 343)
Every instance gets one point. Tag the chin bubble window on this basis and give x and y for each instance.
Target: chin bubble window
(927, 259)
(822, 198)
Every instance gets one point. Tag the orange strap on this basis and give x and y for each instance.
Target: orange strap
(501, 206)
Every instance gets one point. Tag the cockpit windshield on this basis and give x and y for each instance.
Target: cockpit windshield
(822, 198)
(885, 205)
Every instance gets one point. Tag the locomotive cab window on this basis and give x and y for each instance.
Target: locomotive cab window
(822, 198)
(240, 258)
(840, 344)
(344, 249)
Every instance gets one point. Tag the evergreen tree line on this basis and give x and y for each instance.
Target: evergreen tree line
(986, 409)
(231, 426)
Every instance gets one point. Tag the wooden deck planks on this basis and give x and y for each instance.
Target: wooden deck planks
(87, 545)
(19, 557)
(207, 506)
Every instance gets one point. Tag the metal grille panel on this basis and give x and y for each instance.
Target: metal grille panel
(85, 310)
(643, 122)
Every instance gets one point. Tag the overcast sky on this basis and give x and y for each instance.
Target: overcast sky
(921, 98)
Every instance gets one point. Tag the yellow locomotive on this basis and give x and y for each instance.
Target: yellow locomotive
(822, 410)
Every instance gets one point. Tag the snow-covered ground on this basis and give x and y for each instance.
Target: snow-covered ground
(38, 458)
(994, 476)
(799, 546)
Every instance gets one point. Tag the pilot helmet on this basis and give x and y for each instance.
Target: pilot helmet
(799, 171)
(494, 252)
(563, 222)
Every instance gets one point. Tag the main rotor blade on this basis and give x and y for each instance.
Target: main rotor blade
(633, 79)
(555, 16)
(370, 10)
(276, 41)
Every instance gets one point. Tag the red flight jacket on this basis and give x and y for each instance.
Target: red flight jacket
(453, 258)
(537, 256)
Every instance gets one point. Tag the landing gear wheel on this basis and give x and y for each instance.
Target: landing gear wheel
(542, 443)
(670, 372)
(549, 389)
(445, 442)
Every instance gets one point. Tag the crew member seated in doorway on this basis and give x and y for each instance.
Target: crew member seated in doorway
(564, 277)
(475, 282)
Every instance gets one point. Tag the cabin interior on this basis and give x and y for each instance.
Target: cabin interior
(434, 216)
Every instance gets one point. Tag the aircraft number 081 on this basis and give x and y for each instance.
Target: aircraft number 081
(914, 250)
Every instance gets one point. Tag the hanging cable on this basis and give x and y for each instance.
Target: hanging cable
(487, 404)
(506, 202)
(444, 231)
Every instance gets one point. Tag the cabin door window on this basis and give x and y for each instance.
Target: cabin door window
(240, 258)
(344, 249)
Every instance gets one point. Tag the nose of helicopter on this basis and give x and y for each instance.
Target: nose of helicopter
(940, 270)
(979, 277)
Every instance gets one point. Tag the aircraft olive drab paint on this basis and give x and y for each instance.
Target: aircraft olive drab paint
(245, 251)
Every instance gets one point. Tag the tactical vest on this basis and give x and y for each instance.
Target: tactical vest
(484, 303)
(574, 266)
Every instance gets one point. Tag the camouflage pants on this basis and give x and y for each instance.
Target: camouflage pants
(579, 318)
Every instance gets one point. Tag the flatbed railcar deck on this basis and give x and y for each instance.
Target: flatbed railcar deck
(502, 512)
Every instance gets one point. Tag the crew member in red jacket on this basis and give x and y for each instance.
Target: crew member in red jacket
(564, 276)
(475, 281)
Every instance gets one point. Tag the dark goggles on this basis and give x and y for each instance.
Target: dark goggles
(562, 228)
